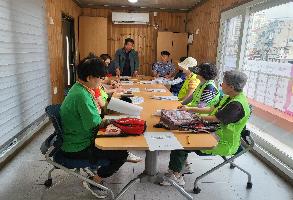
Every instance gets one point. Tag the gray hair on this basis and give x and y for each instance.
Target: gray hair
(236, 79)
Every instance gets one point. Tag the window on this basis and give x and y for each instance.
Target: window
(257, 38)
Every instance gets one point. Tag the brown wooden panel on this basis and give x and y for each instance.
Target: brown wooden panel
(92, 35)
(164, 43)
(54, 10)
(206, 17)
(179, 46)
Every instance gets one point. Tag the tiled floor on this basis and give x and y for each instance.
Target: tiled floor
(22, 179)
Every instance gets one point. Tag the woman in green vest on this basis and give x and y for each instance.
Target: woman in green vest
(232, 114)
(191, 81)
(206, 94)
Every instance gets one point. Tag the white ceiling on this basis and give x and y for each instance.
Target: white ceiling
(141, 4)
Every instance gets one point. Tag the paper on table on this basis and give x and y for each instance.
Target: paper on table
(162, 141)
(146, 82)
(155, 90)
(133, 89)
(126, 82)
(170, 98)
(137, 100)
(124, 107)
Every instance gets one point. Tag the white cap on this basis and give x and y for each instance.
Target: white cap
(188, 63)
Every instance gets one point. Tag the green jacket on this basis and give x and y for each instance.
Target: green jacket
(198, 93)
(230, 134)
(79, 115)
(120, 60)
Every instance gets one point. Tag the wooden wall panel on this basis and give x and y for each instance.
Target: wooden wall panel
(206, 18)
(54, 9)
(92, 35)
(145, 36)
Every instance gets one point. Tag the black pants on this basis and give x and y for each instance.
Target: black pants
(117, 159)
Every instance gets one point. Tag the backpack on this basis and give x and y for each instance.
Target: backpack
(130, 126)
(173, 119)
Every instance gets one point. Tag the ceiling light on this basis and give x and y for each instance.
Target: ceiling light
(132, 1)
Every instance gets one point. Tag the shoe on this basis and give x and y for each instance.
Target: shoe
(97, 192)
(187, 169)
(179, 180)
(133, 158)
(169, 173)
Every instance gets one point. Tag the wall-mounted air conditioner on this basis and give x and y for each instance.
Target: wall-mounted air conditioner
(130, 18)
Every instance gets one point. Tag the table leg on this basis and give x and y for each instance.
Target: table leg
(151, 163)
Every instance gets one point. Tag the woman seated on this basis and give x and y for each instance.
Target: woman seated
(80, 121)
(206, 93)
(232, 114)
(191, 81)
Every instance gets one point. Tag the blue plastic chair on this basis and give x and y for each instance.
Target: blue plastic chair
(51, 149)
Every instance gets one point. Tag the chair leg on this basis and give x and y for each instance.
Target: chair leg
(249, 183)
(196, 189)
(48, 182)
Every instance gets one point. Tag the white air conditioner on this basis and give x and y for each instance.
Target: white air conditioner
(130, 18)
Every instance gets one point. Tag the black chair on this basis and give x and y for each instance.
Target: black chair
(247, 144)
(51, 149)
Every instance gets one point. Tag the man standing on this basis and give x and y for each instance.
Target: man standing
(126, 59)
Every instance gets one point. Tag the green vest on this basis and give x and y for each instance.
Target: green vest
(103, 94)
(184, 89)
(230, 134)
(198, 93)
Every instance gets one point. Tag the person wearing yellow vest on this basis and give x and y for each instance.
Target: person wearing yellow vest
(206, 93)
(232, 114)
(191, 81)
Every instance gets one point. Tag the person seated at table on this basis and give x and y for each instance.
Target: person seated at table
(232, 114)
(110, 66)
(191, 82)
(178, 80)
(163, 68)
(206, 93)
(80, 121)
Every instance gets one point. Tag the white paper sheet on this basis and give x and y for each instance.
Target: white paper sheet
(133, 90)
(124, 107)
(137, 100)
(126, 82)
(162, 141)
(145, 82)
(168, 98)
(155, 90)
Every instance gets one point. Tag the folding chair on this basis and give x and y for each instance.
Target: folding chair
(51, 149)
(247, 144)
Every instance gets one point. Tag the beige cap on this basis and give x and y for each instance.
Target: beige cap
(188, 63)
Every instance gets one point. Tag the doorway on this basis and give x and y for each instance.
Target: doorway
(69, 72)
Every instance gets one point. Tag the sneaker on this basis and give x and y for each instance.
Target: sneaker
(169, 173)
(133, 158)
(97, 192)
(187, 169)
(179, 180)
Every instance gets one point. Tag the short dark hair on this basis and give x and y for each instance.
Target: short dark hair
(128, 40)
(167, 53)
(182, 59)
(105, 56)
(90, 66)
(208, 71)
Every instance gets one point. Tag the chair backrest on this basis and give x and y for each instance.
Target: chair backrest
(56, 139)
(53, 112)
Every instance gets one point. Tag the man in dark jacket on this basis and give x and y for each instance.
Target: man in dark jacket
(126, 59)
